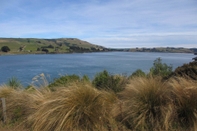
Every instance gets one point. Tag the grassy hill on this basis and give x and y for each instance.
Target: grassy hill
(165, 49)
(61, 45)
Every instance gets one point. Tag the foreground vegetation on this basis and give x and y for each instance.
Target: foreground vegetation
(161, 100)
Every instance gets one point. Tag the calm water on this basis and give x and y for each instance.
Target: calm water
(25, 67)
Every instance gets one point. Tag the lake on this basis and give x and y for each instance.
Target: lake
(25, 67)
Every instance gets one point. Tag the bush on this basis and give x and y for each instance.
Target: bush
(138, 73)
(188, 71)
(5, 49)
(160, 69)
(51, 46)
(14, 83)
(66, 80)
(45, 50)
(104, 80)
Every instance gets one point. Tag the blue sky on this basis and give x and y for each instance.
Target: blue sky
(110, 23)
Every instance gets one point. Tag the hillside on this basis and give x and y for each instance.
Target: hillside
(39, 46)
(165, 49)
(71, 45)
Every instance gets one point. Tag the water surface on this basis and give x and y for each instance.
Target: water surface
(25, 67)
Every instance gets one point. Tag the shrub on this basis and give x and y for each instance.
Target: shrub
(160, 69)
(45, 50)
(188, 71)
(138, 73)
(144, 104)
(14, 83)
(104, 80)
(78, 107)
(66, 80)
(5, 49)
(101, 79)
(51, 46)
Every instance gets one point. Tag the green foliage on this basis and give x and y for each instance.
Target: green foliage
(45, 50)
(187, 71)
(85, 78)
(160, 69)
(101, 79)
(14, 83)
(5, 49)
(66, 80)
(138, 73)
(104, 80)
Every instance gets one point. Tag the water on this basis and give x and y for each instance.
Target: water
(25, 67)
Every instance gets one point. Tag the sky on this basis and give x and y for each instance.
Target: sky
(109, 23)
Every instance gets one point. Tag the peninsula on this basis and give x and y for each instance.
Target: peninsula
(70, 45)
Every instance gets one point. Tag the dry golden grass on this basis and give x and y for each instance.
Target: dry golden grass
(20, 104)
(184, 103)
(146, 104)
(143, 104)
(78, 107)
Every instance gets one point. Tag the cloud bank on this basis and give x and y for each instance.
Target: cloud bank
(110, 23)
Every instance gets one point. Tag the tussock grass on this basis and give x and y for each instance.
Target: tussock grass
(20, 104)
(184, 96)
(15, 127)
(78, 107)
(5, 91)
(144, 104)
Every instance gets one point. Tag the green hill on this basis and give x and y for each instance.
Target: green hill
(39, 46)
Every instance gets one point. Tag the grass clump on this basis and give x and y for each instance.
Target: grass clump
(184, 96)
(143, 104)
(77, 107)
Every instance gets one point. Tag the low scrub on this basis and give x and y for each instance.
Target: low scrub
(188, 71)
(146, 103)
(106, 81)
(160, 69)
(67, 80)
(138, 73)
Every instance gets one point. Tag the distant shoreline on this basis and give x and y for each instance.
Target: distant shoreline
(18, 46)
(11, 54)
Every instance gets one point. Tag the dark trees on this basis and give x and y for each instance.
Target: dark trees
(5, 49)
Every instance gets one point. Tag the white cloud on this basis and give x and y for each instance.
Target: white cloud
(111, 23)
